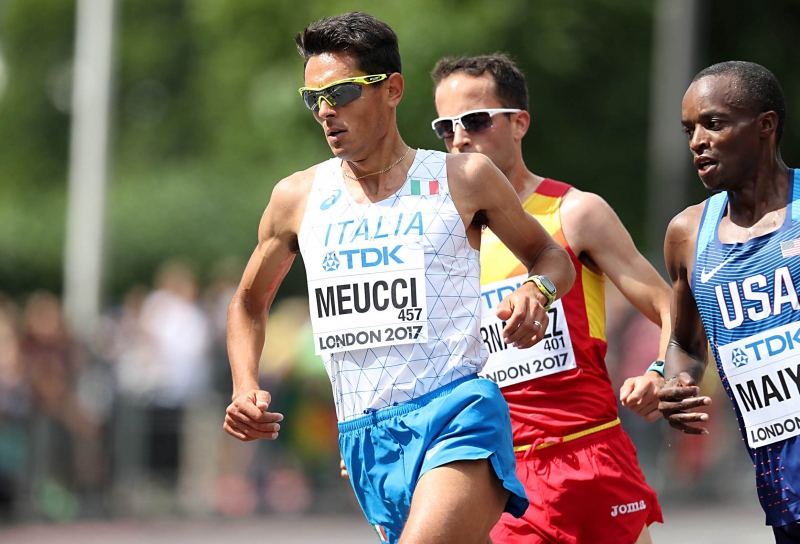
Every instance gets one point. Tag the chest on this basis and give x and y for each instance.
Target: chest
(751, 286)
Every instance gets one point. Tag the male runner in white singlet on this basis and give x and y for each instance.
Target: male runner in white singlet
(390, 240)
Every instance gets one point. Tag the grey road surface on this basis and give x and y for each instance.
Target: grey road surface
(707, 525)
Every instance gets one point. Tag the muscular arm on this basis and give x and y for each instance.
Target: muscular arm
(592, 228)
(594, 231)
(688, 346)
(246, 416)
(481, 191)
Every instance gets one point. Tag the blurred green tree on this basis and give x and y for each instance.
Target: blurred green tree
(207, 116)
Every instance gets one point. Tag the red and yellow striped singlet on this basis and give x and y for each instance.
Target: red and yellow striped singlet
(550, 407)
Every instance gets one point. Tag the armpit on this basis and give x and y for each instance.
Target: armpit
(294, 245)
(480, 219)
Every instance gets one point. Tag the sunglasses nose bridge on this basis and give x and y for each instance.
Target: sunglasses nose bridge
(460, 135)
(327, 99)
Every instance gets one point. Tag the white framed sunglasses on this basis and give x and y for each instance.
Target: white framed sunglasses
(471, 121)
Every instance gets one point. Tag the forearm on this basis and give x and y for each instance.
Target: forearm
(666, 333)
(554, 262)
(245, 344)
(679, 360)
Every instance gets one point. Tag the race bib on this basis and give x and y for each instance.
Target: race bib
(367, 295)
(508, 365)
(763, 372)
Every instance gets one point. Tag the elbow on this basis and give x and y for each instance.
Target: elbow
(569, 273)
(666, 318)
(243, 305)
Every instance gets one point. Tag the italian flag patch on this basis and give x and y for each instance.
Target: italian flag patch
(424, 187)
(381, 533)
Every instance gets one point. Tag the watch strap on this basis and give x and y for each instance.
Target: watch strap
(656, 366)
(547, 294)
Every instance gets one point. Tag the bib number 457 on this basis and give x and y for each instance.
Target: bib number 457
(410, 314)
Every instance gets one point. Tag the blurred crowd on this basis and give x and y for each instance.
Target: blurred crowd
(129, 423)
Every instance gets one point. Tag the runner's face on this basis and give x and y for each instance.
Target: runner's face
(460, 93)
(724, 136)
(350, 129)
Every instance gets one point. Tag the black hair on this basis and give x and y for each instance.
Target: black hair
(371, 43)
(758, 88)
(510, 86)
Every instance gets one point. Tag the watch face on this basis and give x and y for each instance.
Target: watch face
(548, 284)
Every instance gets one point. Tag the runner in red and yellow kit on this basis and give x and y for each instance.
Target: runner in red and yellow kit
(577, 464)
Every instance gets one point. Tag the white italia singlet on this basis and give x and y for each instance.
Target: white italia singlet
(394, 288)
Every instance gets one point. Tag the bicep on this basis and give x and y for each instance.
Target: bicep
(605, 240)
(272, 257)
(688, 331)
(519, 231)
(266, 269)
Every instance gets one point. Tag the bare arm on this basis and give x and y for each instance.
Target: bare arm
(593, 230)
(483, 195)
(688, 347)
(246, 417)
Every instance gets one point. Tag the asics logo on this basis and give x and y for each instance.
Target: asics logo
(431, 452)
(331, 200)
(705, 276)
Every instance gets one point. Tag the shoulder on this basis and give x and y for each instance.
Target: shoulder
(591, 226)
(293, 190)
(288, 202)
(467, 166)
(472, 176)
(684, 226)
(586, 209)
(680, 240)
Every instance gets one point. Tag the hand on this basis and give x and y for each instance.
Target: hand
(246, 417)
(343, 468)
(520, 310)
(678, 396)
(640, 395)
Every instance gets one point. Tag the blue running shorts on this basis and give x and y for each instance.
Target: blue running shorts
(388, 450)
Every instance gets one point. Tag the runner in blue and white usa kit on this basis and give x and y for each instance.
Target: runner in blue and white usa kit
(390, 239)
(735, 265)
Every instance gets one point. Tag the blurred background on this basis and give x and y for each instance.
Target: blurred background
(184, 114)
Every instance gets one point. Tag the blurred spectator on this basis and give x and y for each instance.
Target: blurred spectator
(135, 367)
(68, 460)
(14, 408)
(178, 333)
(225, 279)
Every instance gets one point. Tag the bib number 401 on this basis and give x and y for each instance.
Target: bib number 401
(410, 314)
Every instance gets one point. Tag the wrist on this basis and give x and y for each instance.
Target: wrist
(546, 289)
(655, 377)
(241, 389)
(656, 366)
(537, 294)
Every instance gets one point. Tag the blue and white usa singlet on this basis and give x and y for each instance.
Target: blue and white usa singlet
(747, 295)
(394, 288)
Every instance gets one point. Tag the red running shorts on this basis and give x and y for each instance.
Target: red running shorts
(586, 491)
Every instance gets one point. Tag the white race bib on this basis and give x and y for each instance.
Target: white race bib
(508, 365)
(367, 294)
(763, 372)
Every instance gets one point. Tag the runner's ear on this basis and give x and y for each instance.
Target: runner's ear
(520, 122)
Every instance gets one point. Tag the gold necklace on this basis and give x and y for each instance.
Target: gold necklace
(398, 161)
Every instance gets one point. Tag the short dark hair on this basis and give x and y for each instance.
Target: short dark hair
(510, 86)
(372, 43)
(759, 89)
